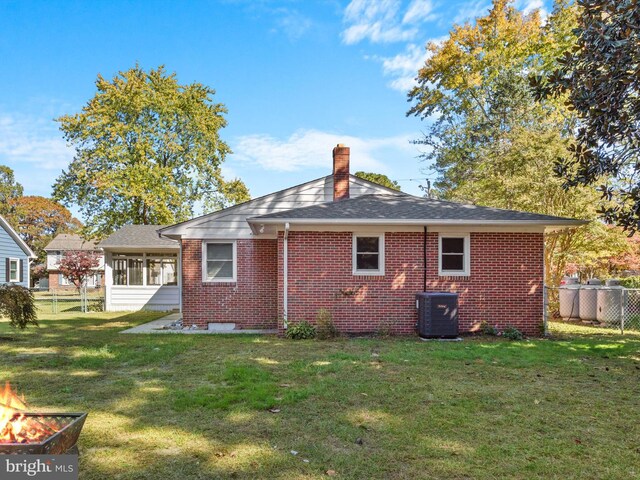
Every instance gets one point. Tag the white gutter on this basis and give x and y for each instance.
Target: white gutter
(397, 221)
(285, 277)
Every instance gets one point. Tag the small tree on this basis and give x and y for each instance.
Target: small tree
(78, 265)
(17, 303)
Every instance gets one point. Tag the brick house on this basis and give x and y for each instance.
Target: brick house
(362, 251)
(71, 242)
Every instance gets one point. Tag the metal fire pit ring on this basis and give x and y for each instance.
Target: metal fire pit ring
(67, 426)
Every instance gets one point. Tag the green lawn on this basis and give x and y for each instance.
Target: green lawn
(197, 406)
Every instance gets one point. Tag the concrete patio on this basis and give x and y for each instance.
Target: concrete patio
(161, 325)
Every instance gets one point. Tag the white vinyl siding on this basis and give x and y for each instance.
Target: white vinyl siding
(232, 222)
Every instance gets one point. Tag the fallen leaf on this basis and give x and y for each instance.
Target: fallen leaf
(536, 401)
(578, 441)
(330, 473)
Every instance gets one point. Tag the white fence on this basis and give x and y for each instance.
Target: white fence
(607, 307)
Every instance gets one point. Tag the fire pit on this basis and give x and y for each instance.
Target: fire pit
(23, 432)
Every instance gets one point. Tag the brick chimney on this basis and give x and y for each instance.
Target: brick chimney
(340, 172)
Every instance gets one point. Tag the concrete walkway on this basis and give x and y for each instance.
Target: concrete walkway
(160, 326)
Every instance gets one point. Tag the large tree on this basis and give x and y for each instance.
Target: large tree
(38, 220)
(9, 189)
(147, 149)
(490, 142)
(600, 74)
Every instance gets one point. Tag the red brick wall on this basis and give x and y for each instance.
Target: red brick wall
(504, 288)
(54, 281)
(249, 303)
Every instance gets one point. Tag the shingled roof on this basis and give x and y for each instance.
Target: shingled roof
(70, 241)
(408, 210)
(138, 236)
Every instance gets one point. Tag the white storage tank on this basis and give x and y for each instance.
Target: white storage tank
(611, 302)
(588, 300)
(568, 298)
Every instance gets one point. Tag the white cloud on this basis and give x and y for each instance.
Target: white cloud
(403, 68)
(383, 21)
(419, 11)
(292, 23)
(27, 140)
(528, 6)
(312, 149)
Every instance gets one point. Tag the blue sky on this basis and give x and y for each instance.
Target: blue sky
(297, 77)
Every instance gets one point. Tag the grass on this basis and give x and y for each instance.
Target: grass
(197, 406)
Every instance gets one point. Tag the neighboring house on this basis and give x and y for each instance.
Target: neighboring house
(71, 242)
(16, 256)
(141, 270)
(362, 251)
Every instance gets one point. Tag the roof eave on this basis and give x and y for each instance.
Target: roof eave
(13, 234)
(395, 221)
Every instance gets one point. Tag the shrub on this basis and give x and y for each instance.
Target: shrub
(325, 328)
(630, 282)
(301, 331)
(512, 333)
(18, 304)
(488, 329)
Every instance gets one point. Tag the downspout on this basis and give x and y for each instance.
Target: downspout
(285, 275)
(424, 259)
(180, 277)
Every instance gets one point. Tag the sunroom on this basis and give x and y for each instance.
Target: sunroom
(142, 270)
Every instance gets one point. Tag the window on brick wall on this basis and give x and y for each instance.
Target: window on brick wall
(368, 254)
(454, 257)
(220, 264)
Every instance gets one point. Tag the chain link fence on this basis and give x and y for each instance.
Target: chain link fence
(607, 307)
(69, 301)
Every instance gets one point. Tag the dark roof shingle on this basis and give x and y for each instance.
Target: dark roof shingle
(70, 241)
(138, 236)
(398, 208)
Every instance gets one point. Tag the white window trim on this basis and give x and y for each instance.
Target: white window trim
(17, 279)
(381, 256)
(466, 257)
(206, 279)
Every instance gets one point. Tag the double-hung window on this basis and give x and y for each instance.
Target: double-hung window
(14, 270)
(219, 263)
(368, 254)
(454, 255)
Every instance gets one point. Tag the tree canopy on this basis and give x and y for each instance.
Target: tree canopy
(599, 75)
(9, 189)
(489, 141)
(379, 178)
(38, 220)
(147, 149)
